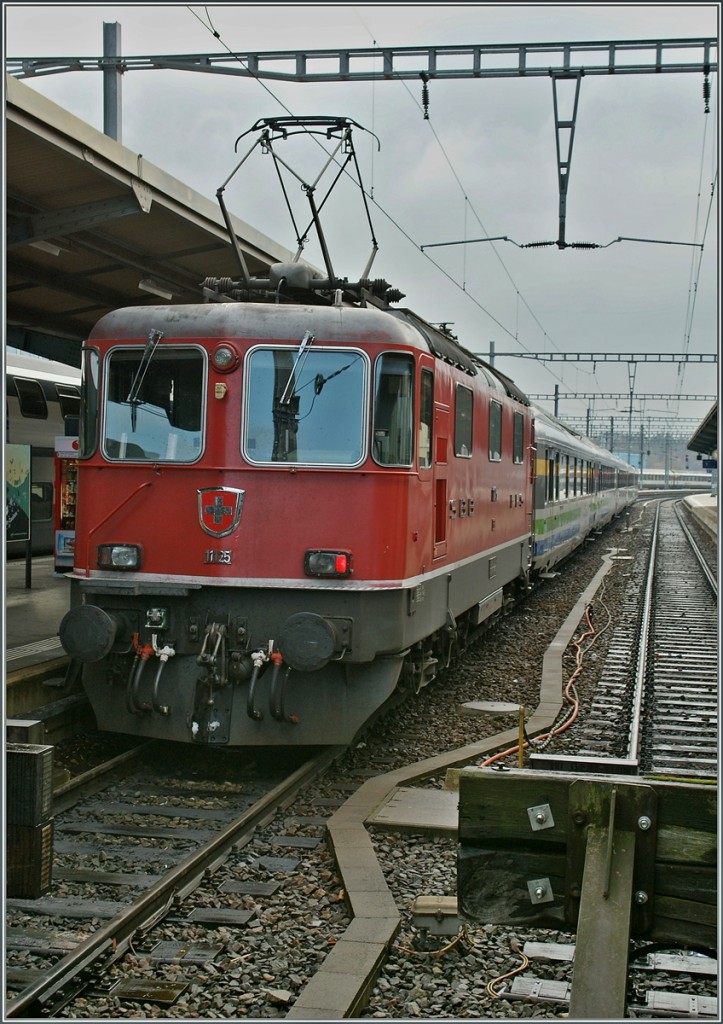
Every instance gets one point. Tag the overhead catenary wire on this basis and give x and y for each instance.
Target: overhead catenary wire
(461, 285)
(514, 335)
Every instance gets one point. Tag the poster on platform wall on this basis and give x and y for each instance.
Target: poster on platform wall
(17, 492)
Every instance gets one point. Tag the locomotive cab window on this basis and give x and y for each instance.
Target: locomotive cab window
(393, 409)
(305, 406)
(463, 422)
(154, 407)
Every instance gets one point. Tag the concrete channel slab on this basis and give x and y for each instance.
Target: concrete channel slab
(327, 992)
(429, 811)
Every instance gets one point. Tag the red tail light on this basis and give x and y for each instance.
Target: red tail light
(327, 563)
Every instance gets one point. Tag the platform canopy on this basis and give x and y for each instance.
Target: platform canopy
(92, 226)
(705, 439)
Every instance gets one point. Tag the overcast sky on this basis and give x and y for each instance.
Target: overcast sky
(484, 164)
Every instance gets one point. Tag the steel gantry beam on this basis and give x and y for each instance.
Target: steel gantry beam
(591, 396)
(607, 357)
(499, 60)
(561, 62)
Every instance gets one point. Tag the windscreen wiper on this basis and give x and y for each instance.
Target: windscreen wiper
(304, 347)
(133, 400)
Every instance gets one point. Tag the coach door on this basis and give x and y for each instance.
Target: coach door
(441, 468)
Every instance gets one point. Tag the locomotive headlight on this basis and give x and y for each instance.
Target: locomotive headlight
(224, 358)
(327, 563)
(119, 556)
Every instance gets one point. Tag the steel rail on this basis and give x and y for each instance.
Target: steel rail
(113, 938)
(642, 651)
(705, 568)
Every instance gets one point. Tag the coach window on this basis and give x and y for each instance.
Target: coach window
(31, 398)
(567, 476)
(518, 439)
(495, 432)
(463, 422)
(41, 502)
(154, 409)
(550, 476)
(426, 418)
(393, 409)
(69, 398)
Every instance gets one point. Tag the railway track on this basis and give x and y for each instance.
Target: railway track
(661, 667)
(679, 666)
(148, 842)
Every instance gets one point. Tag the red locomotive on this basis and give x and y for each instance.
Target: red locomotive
(288, 508)
(282, 511)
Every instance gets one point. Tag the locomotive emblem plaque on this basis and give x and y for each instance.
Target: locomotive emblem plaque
(219, 509)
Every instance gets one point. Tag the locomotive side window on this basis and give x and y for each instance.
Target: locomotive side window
(154, 412)
(518, 439)
(463, 422)
(89, 404)
(32, 400)
(305, 406)
(495, 432)
(394, 410)
(426, 418)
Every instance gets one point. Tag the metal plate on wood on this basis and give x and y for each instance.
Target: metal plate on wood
(540, 817)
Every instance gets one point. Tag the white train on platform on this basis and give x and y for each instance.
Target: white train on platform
(689, 480)
(39, 395)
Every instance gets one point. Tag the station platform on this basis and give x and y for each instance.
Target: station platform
(705, 509)
(33, 614)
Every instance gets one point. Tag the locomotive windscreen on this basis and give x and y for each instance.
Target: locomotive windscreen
(311, 411)
(162, 422)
